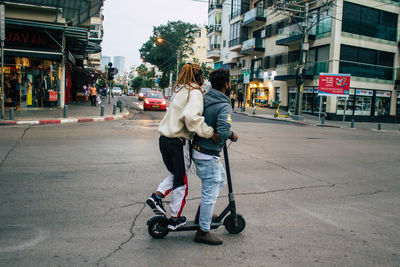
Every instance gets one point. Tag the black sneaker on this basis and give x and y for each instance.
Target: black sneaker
(174, 224)
(156, 205)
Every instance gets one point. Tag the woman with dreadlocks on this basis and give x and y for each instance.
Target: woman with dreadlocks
(181, 122)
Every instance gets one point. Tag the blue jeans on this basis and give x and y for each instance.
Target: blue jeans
(212, 175)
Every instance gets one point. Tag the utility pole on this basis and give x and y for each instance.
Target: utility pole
(2, 39)
(301, 67)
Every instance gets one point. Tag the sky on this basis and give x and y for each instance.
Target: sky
(129, 23)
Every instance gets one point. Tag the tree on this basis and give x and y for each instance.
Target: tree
(142, 70)
(298, 12)
(136, 83)
(175, 43)
(206, 69)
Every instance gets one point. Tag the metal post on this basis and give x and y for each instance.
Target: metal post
(121, 107)
(65, 115)
(11, 111)
(320, 107)
(379, 126)
(344, 112)
(102, 110)
(352, 123)
(323, 120)
(114, 109)
(244, 96)
(2, 80)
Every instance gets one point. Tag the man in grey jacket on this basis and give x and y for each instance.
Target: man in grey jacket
(206, 154)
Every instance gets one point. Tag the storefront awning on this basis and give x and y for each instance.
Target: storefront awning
(33, 54)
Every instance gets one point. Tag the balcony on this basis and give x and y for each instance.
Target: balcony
(288, 71)
(257, 75)
(235, 45)
(254, 18)
(254, 45)
(366, 70)
(214, 51)
(214, 28)
(291, 35)
(215, 5)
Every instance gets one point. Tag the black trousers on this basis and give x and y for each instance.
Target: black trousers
(93, 99)
(175, 158)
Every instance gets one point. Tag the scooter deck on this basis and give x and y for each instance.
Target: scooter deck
(192, 226)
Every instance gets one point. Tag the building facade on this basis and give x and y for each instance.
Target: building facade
(45, 49)
(354, 37)
(119, 63)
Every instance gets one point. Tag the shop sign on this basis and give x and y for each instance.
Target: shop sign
(292, 90)
(269, 75)
(246, 77)
(364, 92)
(30, 39)
(352, 91)
(53, 95)
(382, 94)
(308, 90)
(334, 84)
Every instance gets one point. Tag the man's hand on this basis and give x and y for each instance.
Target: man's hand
(234, 137)
(215, 137)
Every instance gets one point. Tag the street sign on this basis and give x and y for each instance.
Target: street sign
(2, 23)
(246, 77)
(334, 84)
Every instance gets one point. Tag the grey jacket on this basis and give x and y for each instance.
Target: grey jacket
(217, 113)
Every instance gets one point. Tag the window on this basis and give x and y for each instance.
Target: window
(234, 34)
(368, 21)
(224, 43)
(235, 9)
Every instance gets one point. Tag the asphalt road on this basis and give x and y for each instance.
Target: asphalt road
(74, 195)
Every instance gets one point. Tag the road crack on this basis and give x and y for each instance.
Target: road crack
(14, 146)
(132, 234)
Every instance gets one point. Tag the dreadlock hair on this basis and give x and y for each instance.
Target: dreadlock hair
(190, 76)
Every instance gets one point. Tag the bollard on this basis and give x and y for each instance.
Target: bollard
(11, 110)
(379, 126)
(102, 110)
(121, 107)
(119, 104)
(352, 123)
(114, 109)
(322, 120)
(65, 115)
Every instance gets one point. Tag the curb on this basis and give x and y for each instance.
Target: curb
(273, 119)
(64, 121)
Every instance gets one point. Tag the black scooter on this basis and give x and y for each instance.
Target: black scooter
(234, 223)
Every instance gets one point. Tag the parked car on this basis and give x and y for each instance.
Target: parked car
(116, 91)
(131, 93)
(154, 100)
(143, 92)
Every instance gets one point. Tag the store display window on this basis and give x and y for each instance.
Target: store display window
(398, 104)
(292, 98)
(31, 83)
(341, 102)
(363, 102)
(308, 97)
(382, 103)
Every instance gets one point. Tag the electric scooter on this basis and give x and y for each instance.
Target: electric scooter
(234, 223)
(279, 115)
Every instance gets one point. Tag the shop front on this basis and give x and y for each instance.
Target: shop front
(311, 100)
(398, 106)
(32, 68)
(257, 94)
(364, 105)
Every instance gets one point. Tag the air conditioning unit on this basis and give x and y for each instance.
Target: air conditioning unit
(218, 28)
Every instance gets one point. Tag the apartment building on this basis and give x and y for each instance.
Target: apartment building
(353, 37)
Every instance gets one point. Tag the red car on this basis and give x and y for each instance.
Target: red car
(154, 100)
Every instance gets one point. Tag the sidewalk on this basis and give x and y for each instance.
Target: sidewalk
(310, 120)
(78, 112)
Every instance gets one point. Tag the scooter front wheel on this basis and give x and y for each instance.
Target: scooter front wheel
(157, 227)
(233, 228)
(275, 115)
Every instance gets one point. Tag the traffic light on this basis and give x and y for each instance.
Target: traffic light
(111, 73)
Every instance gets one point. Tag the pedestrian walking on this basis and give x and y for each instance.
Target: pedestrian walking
(206, 153)
(93, 95)
(233, 99)
(182, 120)
(240, 99)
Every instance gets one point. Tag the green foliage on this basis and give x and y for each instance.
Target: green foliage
(142, 70)
(177, 39)
(147, 83)
(164, 81)
(136, 83)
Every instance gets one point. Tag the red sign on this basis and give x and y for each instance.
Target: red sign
(53, 95)
(334, 84)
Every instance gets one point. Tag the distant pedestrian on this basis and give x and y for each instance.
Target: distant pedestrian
(240, 99)
(233, 99)
(93, 95)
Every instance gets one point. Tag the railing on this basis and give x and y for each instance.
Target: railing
(256, 73)
(366, 70)
(311, 68)
(370, 30)
(255, 12)
(234, 42)
(252, 43)
(214, 46)
(216, 4)
(215, 27)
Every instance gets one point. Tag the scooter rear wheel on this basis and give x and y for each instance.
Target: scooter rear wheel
(230, 225)
(157, 227)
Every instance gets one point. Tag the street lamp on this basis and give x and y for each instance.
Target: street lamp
(160, 41)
